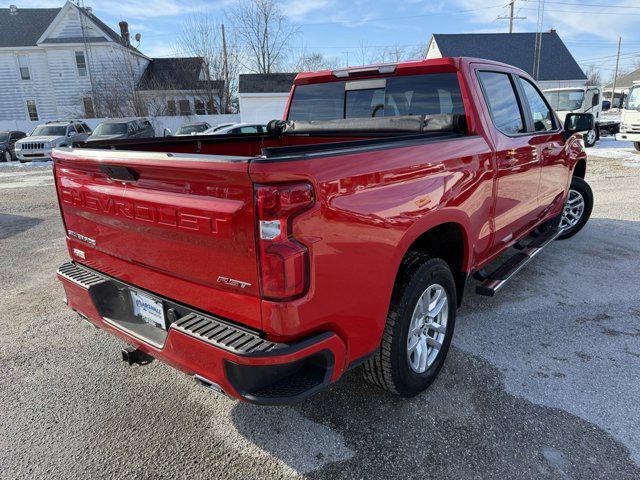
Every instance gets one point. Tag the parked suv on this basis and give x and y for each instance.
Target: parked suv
(39, 143)
(195, 128)
(7, 144)
(123, 128)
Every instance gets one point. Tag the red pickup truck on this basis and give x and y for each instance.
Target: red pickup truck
(267, 265)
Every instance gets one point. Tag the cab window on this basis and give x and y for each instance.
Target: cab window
(500, 95)
(543, 120)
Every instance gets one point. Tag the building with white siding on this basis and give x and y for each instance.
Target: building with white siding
(263, 96)
(65, 62)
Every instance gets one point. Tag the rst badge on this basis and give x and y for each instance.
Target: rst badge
(233, 283)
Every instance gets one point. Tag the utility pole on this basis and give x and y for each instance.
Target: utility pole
(225, 75)
(615, 75)
(511, 16)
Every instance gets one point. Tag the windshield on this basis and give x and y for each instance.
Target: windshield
(189, 129)
(110, 129)
(633, 99)
(49, 131)
(428, 94)
(562, 100)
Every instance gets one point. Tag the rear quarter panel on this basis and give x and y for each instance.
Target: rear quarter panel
(370, 206)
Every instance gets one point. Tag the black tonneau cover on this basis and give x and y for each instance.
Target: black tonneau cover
(406, 124)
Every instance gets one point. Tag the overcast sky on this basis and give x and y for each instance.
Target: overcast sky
(338, 28)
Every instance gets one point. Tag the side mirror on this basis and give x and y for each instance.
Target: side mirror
(578, 122)
(596, 100)
(166, 132)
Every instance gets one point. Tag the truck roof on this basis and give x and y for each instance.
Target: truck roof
(415, 67)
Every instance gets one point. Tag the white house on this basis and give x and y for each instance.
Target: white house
(65, 62)
(557, 67)
(263, 96)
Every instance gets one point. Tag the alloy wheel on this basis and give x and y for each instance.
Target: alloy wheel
(428, 328)
(573, 210)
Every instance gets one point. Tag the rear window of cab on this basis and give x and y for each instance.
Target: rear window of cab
(427, 94)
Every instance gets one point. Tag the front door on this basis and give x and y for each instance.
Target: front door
(555, 173)
(517, 159)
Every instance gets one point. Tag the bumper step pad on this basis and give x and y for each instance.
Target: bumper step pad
(223, 335)
(505, 272)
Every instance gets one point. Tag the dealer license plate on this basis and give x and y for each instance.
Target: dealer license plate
(148, 309)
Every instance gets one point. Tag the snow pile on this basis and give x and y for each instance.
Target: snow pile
(610, 148)
(24, 165)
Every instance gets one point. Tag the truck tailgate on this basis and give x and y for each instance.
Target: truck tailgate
(178, 225)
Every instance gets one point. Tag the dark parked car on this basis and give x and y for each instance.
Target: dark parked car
(123, 128)
(194, 128)
(7, 145)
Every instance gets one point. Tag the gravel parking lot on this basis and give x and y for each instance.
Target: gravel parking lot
(543, 380)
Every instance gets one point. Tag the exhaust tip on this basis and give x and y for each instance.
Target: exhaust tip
(209, 385)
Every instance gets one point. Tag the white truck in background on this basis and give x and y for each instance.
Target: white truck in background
(630, 117)
(587, 99)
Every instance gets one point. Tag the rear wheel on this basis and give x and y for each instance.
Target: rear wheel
(590, 138)
(577, 208)
(418, 331)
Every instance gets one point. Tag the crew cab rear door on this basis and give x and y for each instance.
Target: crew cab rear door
(517, 160)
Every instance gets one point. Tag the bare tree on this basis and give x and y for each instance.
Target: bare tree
(265, 34)
(363, 54)
(201, 36)
(115, 91)
(593, 75)
(313, 62)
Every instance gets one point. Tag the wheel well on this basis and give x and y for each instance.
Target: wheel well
(581, 169)
(446, 241)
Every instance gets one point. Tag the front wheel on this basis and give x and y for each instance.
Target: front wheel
(637, 145)
(418, 331)
(590, 138)
(7, 156)
(577, 208)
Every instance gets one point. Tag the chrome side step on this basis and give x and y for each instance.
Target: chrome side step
(505, 272)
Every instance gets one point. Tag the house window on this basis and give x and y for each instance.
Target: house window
(89, 112)
(32, 110)
(185, 107)
(171, 108)
(81, 64)
(23, 63)
(200, 110)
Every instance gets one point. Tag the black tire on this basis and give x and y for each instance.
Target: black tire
(637, 145)
(4, 156)
(389, 368)
(583, 188)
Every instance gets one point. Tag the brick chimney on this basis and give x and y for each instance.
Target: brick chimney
(124, 32)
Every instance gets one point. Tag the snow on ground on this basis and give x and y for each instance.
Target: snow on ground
(24, 165)
(607, 147)
(25, 175)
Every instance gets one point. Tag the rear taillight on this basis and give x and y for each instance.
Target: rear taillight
(284, 263)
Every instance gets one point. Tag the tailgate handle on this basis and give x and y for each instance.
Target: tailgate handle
(118, 172)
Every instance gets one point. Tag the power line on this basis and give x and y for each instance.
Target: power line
(591, 5)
